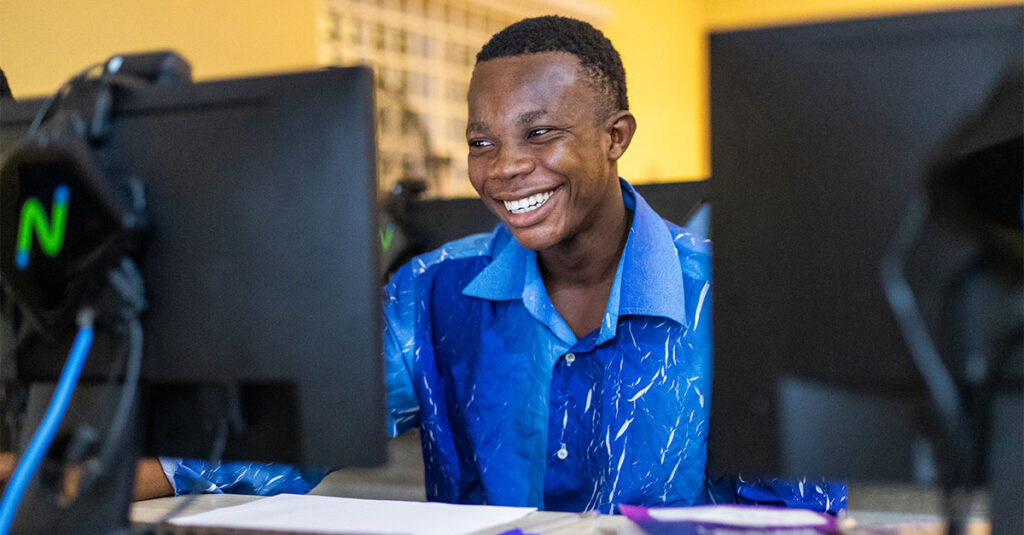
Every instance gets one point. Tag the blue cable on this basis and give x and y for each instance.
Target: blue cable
(47, 428)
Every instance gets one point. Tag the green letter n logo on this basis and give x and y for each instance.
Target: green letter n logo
(51, 233)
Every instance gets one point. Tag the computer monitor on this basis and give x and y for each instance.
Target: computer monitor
(821, 134)
(260, 262)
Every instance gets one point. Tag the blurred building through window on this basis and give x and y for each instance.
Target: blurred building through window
(423, 53)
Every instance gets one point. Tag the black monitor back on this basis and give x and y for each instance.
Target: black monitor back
(260, 266)
(820, 135)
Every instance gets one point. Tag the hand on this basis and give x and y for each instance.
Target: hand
(6, 467)
(150, 481)
(8, 462)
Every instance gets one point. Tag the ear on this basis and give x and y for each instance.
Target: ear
(620, 126)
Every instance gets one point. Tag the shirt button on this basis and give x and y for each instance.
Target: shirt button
(562, 453)
(570, 358)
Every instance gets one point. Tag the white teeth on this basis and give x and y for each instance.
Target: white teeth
(528, 204)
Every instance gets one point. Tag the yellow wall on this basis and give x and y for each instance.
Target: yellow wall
(662, 47)
(662, 42)
(43, 42)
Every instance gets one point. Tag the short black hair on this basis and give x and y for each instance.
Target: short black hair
(552, 33)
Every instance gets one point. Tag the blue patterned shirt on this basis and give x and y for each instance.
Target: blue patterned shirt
(515, 410)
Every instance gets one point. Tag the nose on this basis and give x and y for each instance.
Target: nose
(511, 162)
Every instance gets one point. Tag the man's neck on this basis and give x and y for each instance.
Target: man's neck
(590, 257)
(579, 273)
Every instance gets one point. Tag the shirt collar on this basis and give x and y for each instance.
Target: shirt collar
(504, 278)
(513, 274)
(649, 261)
(652, 283)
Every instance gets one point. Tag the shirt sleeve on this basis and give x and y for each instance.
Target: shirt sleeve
(400, 351)
(169, 465)
(190, 476)
(814, 494)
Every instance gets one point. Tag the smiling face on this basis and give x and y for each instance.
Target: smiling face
(540, 156)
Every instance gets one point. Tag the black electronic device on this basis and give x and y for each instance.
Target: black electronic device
(48, 263)
(259, 258)
(822, 135)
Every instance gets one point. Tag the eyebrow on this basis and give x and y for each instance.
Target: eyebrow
(530, 116)
(524, 119)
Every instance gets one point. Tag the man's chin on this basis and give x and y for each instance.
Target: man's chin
(535, 238)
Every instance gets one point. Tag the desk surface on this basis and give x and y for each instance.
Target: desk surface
(150, 512)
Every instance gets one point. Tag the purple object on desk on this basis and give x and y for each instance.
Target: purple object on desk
(731, 519)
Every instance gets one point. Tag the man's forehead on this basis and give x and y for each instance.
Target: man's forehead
(553, 67)
(522, 89)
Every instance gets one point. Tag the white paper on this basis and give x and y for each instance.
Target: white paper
(739, 516)
(326, 514)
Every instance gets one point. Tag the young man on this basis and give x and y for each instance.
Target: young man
(564, 360)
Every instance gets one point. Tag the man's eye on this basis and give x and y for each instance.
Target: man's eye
(538, 132)
(479, 143)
